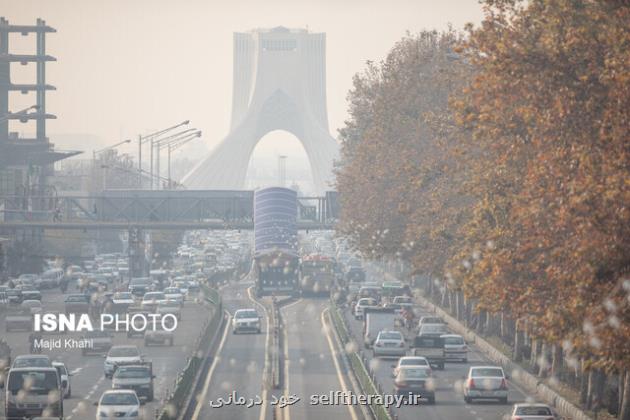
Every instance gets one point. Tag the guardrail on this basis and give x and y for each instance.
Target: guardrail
(185, 381)
(360, 365)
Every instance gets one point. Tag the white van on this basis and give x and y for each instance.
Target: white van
(39, 393)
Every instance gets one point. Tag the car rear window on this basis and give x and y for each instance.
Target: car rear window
(487, 372)
(390, 336)
(414, 362)
(533, 411)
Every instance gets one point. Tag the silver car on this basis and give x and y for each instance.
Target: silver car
(486, 382)
(389, 344)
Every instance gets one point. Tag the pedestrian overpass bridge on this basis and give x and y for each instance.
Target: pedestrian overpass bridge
(154, 210)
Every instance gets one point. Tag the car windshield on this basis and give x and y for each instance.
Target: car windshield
(390, 336)
(432, 320)
(487, 372)
(366, 302)
(32, 381)
(453, 340)
(246, 314)
(429, 328)
(126, 398)
(123, 352)
(131, 372)
(414, 373)
(533, 411)
(31, 362)
(414, 362)
(123, 296)
(77, 298)
(154, 296)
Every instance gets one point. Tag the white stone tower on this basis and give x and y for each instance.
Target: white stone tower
(279, 84)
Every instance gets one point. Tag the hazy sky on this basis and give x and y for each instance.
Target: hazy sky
(128, 66)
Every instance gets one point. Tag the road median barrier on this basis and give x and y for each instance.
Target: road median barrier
(176, 404)
(359, 364)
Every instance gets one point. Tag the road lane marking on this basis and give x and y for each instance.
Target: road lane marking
(206, 385)
(286, 414)
(263, 409)
(342, 382)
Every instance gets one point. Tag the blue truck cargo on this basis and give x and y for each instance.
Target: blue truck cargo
(276, 258)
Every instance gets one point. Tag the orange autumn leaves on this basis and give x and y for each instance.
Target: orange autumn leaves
(499, 162)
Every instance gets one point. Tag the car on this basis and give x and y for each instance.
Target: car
(33, 392)
(31, 360)
(410, 361)
(373, 292)
(30, 294)
(174, 294)
(123, 298)
(415, 380)
(118, 404)
(403, 302)
(390, 344)
(455, 347)
(531, 411)
(151, 300)
(485, 382)
(363, 303)
(159, 335)
(97, 342)
(64, 376)
(138, 286)
(33, 306)
(170, 307)
(77, 304)
(120, 356)
(246, 320)
(136, 377)
(432, 330)
(14, 296)
(430, 320)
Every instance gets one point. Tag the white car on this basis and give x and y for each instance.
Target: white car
(486, 382)
(416, 361)
(246, 320)
(123, 298)
(33, 306)
(151, 300)
(531, 412)
(174, 294)
(389, 344)
(118, 404)
(118, 356)
(359, 308)
(64, 375)
(455, 347)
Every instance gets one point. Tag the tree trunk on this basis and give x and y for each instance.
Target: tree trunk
(458, 314)
(556, 359)
(624, 410)
(533, 357)
(543, 364)
(481, 323)
(583, 382)
(518, 342)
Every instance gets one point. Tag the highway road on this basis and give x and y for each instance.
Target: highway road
(449, 397)
(239, 364)
(88, 381)
(311, 366)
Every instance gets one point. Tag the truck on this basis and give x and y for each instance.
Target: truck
(276, 258)
(376, 320)
(317, 275)
(432, 348)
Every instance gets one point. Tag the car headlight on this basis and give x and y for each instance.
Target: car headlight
(102, 414)
(133, 413)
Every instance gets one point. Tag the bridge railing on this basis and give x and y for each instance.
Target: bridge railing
(233, 207)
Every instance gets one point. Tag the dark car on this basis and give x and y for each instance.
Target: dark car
(77, 304)
(14, 296)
